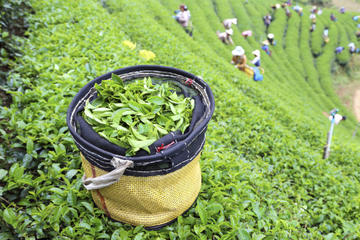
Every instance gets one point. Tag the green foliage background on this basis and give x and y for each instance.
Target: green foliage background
(12, 26)
(262, 167)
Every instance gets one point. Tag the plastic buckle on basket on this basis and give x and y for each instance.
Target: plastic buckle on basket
(162, 147)
(188, 81)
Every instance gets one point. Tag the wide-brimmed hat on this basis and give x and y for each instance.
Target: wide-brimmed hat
(238, 51)
(256, 53)
(270, 35)
(265, 42)
(229, 31)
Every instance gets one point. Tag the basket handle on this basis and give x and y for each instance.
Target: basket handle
(108, 178)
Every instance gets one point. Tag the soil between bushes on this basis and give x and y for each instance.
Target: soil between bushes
(349, 5)
(356, 104)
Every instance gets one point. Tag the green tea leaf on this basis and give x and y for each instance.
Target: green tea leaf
(139, 236)
(156, 100)
(29, 146)
(117, 115)
(102, 109)
(135, 106)
(9, 216)
(138, 135)
(71, 173)
(91, 116)
(141, 144)
(200, 209)
(162, 120)
(176, 117)
(242, 234)
(160, 129)
(88, 206)
(119, 127)
(3, 173)
(117, 79)
(127, 119)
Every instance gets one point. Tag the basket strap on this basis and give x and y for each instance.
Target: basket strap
(108, 178)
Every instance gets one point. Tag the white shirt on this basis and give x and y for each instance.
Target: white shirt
(255, 60)
(225, 37)
(351, 46)
(222, 35)
(297, 8)
(337, 118)
(326, 32)
(184, 18)
(228, 22)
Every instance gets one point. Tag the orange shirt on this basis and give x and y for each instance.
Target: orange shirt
(239, 61)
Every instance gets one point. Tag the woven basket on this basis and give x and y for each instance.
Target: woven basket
(146, 189)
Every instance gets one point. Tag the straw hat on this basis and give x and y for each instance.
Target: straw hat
(256, 53)
(238, 51)
(270, 35)
(265, 42)
(229, 31)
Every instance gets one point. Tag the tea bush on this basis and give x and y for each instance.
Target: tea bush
(262, 169)
(13, 24)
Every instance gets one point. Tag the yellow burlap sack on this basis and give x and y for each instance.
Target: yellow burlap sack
(248, 70)
(149, 201)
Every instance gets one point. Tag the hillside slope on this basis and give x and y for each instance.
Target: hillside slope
(262, 167)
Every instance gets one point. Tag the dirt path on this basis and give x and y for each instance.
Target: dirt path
(356, 104)
(348, 87)
(352, 90)
(349, 95)
(349, 5)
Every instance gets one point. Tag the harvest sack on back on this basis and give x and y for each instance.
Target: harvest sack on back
(257, 75)
(150, 188)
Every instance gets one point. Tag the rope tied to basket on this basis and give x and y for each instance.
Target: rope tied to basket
(109, 178)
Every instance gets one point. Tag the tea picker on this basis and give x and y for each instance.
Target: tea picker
(270, 38)
(335, 118)
(228, 22)
(225, 37)
(339, 49)
(332, 17)
(326, 35)
(183, 17)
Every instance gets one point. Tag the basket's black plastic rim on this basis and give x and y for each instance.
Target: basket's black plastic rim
(170, 151)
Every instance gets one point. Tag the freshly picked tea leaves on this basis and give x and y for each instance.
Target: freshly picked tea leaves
(136, 114)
